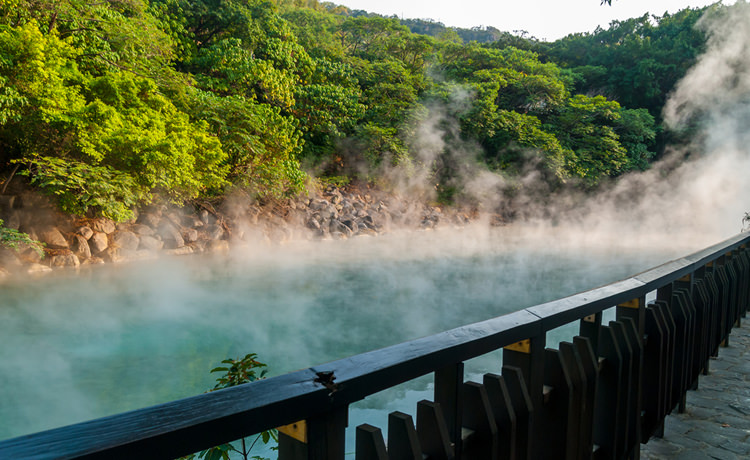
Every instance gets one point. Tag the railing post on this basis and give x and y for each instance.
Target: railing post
(326, 435)
(528, 356)
(448, 393)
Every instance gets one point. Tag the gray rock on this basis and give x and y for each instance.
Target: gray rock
(170, 236)
(218, 246)
(93, 261)
(13, 221)
(336, 226)
(103, 225)
(53, 238)
(150, 243)
(65, 260)
(313, 224)
(31, 256)
(181, 251)
(142, 230)
(85, 232)
(215, 232)
(125, 240)
(81, 247)
(98, 243)
(190, 235)
(7, 202)
(149, 218)
(37, 268)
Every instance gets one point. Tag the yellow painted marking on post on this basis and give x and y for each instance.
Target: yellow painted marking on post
(710, 264)
(686, 278)
(590, 319)
(296, 430)
(630, 304)
(524, 346)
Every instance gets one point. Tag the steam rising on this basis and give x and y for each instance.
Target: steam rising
(305, 303)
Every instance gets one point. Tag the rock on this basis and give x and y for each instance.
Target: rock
(336, 226)
(190, 235)
(125, 240)
(85, 232)
(181, 251)
(353, 227)
(8, 257)
(142, 230)
(151, 219)
(150, 243)
(98, 243)
(218, 246)
(81, 247)
(13, 221)
(367, 232)
(4, 272)
(313, 224)
(93, 261)
(31, 256)
(103, 225)
(37, 268)
(170, 236)
(194, 222)
(7, 202)
(53, 238)
(215, 232)
(65, 260)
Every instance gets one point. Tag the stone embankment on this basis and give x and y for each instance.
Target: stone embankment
(71, 241)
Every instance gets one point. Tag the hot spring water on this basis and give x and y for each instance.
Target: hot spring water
(107, 339)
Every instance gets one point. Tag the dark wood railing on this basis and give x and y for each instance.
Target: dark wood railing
(598, 396)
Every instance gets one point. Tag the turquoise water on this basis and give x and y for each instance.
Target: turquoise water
(78, 345)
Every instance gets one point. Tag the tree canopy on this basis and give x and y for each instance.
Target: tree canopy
(111, 104)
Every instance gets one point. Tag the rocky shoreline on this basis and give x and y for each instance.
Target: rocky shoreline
(333, 213)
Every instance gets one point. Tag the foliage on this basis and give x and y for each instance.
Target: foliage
(80, 188)
(112, 104)
(13, 239)
(237, 372)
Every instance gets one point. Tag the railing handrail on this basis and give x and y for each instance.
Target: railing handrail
(188, 425)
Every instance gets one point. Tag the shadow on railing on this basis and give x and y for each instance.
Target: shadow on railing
(597, 396)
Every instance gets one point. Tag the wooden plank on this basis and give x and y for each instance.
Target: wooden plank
(636, 388)
(654, 375)
(590, 365)
(607, 425)
(626, 437)
(505, 417)
(433, 432)
(403, 442)
(448, 391)
(326, 438)
(479, 418)
(369, 444)
(523, 409)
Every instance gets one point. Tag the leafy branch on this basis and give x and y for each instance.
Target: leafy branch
(13, 239)
(237, 372)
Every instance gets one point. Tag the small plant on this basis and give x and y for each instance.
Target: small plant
(236, 372)
(12, 238)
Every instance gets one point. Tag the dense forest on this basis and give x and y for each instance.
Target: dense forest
(107, 105)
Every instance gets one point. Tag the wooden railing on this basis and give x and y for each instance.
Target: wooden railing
(597, 396)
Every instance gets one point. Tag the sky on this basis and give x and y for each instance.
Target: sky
(544, 19)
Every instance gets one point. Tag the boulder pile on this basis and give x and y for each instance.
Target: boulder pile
(333, 213)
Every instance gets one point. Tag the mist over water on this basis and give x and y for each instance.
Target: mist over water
(80, 345)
